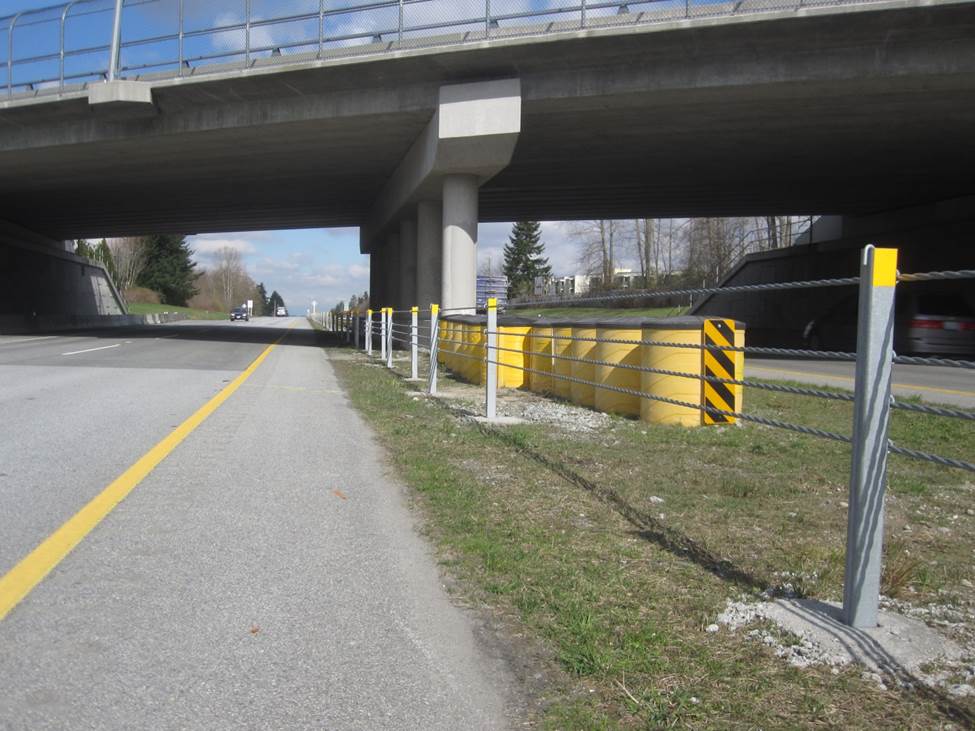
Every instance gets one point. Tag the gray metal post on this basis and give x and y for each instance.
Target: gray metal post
(414, 343)
(355, 329)
(382, 335)
(871, 416)
(116, 48)
(368, 332)
(491, 356)
(389, 336)
(434, 346)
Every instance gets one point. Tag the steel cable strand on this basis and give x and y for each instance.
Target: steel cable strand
(686, 404)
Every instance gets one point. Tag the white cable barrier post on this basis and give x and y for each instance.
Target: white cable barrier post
(355, 328)
(389, 335)
(414, 343)
(491, 356)
(434, 347)
(368, 332)
(871, 418)
(382, 334)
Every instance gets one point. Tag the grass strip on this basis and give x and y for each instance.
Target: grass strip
(557, 531)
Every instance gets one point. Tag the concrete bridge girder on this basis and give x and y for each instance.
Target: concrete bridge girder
(469, 140)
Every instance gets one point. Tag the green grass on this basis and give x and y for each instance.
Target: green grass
(143, 308)
(556, 531)
(599, 312)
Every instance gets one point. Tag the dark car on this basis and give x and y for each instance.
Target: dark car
(239, 313)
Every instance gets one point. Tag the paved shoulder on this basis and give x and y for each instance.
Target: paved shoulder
(267, 574)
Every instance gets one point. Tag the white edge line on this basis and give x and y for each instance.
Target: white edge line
(92, 350)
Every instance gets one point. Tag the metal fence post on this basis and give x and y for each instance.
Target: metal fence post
(355, 328)
(871, 416)
(491, 356)
(414, 343)
(434, 346)
(116, 48)
(389, 336)
(382, 334)
(368, 332)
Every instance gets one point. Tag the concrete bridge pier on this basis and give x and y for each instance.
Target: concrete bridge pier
(429, 252)
(408, 265)
(469, 140)
(459, 261)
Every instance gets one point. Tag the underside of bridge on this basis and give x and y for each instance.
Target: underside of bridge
(836, 111)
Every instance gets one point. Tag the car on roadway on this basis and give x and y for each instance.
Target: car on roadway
(281, 312)
(239, 313)
(925, 323)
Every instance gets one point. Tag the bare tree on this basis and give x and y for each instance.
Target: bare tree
(231, 278)
(129, 256)
(599, 242)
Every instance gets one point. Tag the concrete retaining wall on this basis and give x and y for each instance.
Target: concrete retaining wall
(16, 324)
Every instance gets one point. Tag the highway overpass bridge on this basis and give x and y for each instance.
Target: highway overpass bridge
(414, 129)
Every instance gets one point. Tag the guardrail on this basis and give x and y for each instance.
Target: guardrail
(691, 371)
(75, 43)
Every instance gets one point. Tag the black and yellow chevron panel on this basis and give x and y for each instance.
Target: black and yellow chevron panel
(721, 364)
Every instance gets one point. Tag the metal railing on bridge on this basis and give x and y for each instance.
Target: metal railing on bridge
(66, 46)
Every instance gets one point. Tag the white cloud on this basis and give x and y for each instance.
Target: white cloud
(208, 247)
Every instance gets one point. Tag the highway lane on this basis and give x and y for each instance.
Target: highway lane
(935, 384)
(266, 574)
(96, 411)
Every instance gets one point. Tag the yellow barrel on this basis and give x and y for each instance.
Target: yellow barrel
(463, 368)
(473, 333)
(618, 354)
(513, 336)
(539, 344)
(678, 330)
(583, 394)
(449, 335)
(561, 368)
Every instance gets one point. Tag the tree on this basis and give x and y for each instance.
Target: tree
(128, 260)
(169, 269)
(599, 241)
(523, 258)
(274, 302)
(261, 306)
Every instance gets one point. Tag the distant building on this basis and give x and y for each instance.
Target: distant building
(496, 287)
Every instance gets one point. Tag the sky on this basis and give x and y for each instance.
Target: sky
(324, 265)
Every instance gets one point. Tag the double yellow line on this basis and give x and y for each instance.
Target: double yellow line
(32, 569)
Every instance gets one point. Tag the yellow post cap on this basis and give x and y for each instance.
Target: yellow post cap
(415, 310)
(884, 267)
(492, 303)
(434, 308)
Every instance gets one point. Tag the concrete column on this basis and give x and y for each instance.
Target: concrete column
(460, 212)
(392, 275)
(376, 277)
(408, 263)
(429, 252)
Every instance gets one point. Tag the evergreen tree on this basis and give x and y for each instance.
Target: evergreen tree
(170, 269)
(262, 299)
(274, 302)
(523, 260)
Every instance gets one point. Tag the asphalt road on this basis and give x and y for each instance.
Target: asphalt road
(935, 384)
(266, 574)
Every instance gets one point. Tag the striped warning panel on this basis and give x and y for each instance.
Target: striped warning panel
(718, 363)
